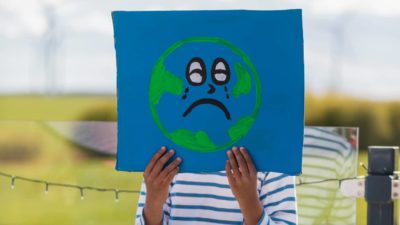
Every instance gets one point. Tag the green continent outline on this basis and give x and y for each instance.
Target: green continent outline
(199, 141)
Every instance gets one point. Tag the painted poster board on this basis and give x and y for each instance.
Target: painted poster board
(201, 82)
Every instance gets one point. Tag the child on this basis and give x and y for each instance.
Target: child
(239, 195)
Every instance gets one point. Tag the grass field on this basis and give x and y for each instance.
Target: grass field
(57, 107)
(57, 160)
(361, 204)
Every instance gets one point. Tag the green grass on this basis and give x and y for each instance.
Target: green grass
(59, 161)
(56, 107)
(361, 204)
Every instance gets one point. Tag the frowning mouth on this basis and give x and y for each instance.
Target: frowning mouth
(209, 101)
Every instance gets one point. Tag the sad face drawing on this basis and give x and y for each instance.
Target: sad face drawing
(196, 75)
(204, 94)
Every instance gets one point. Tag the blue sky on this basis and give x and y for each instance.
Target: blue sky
(351, 47)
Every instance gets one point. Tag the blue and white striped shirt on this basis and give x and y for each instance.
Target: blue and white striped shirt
(206, 198)
(326, 155)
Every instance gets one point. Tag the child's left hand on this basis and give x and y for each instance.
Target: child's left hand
(242, 177)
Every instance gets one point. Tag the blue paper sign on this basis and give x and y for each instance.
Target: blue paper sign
(201, 82)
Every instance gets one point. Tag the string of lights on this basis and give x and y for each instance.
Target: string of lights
(81, 189)
(117, 192)
(300, 181)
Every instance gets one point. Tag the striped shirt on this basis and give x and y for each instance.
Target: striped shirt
(326, 155)
(206, 198)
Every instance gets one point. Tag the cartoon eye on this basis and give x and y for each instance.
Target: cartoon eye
(220, 71)
(196, 71)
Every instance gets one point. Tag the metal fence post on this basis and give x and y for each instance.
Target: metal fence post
(382, 162)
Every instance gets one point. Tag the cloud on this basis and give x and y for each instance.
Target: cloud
(28, 17)
(93, 21)
(22, 18)
(372, 7)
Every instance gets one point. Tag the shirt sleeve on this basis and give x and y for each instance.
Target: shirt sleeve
(142, 199)
(278, 197)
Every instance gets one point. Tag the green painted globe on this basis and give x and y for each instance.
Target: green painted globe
(204, 94)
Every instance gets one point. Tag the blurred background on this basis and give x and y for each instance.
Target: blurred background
(57, 63)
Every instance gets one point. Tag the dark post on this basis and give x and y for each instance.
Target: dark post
(382, 162)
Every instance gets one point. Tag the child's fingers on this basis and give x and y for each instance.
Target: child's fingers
(154, 159)
(249, 161)
(170, 176)
(228, 171)
(233, 164)
(241, 162)
(170, 167)
(161, 162)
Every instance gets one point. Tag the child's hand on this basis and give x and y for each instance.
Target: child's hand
(242, 177)
(157, 180)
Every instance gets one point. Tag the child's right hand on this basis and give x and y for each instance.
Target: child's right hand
(157, 180)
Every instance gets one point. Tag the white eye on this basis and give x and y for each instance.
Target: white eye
(220, 71)
(196, 71)
(196, 78)
(220, 76)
